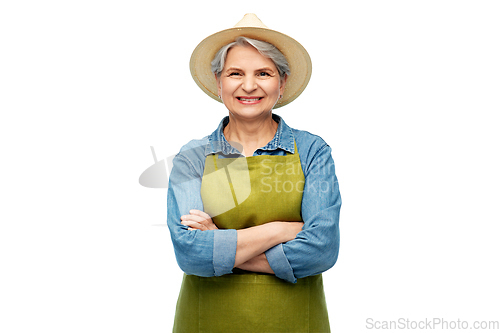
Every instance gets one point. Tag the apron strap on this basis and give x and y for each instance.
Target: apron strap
(215, 156)
(215, 161)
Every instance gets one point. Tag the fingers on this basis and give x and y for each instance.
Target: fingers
(192, 217)
(200, 213)
(194, 222)
(198, 220)
(206, 219)
(194, 225)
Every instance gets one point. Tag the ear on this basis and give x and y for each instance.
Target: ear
(217, 79)
(282, 84)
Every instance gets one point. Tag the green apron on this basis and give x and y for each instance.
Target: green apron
(240, 193)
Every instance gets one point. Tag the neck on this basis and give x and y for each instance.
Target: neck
(251, 134)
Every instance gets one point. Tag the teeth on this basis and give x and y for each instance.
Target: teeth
(249, 100)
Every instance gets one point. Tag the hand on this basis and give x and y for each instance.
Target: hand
(257, 264)
(198, 220)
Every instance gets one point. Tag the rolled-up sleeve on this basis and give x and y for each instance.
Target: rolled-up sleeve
(316, 247)
(203, 253)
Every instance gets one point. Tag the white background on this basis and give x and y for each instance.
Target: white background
(405, 92)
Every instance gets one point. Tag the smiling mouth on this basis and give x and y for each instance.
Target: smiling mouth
(247, 99)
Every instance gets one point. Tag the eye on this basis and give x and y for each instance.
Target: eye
(234, 74)
(264, 74)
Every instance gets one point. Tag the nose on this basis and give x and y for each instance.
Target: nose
(249, 84)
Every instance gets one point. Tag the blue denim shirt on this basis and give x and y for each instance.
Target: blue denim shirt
(212, 252)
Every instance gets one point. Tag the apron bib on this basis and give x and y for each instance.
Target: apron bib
(240, 193)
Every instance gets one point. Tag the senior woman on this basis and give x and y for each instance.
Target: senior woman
(253, 208)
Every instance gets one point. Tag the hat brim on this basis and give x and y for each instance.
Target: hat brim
(296, 55)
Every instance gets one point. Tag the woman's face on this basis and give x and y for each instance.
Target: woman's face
(249, 83)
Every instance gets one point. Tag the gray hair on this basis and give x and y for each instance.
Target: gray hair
(266, 49)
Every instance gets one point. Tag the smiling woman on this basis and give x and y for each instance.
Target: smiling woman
(251, 229)
(249, 86)
(249, 83)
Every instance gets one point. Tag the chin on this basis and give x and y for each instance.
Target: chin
(250, 112)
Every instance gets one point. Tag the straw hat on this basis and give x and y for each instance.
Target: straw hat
(250, 26)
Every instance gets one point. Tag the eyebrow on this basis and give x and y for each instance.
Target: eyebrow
(233, 69)
(257, 70)
(265, 69)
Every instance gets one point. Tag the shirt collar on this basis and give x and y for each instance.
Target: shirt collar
(283, 139)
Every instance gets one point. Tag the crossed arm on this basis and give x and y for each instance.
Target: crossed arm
(289, 250)
(251, 242)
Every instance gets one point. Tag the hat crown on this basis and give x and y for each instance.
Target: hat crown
(250, 20)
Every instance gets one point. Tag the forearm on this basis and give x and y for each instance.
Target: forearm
(257, 264)
(254, 241)
(316, 248)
